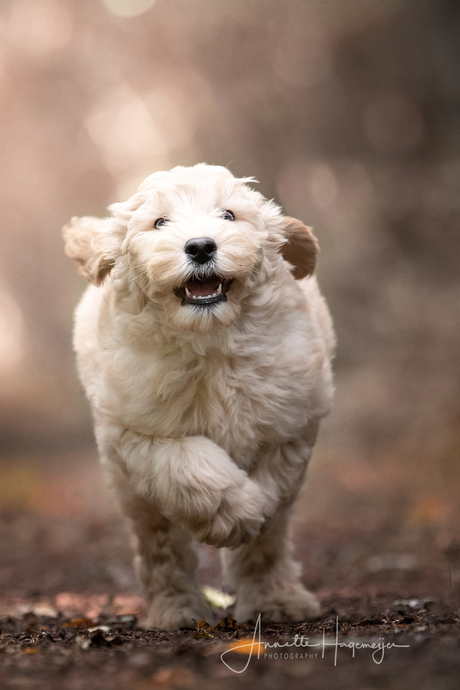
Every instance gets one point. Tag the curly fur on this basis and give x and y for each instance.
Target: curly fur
(205, 416)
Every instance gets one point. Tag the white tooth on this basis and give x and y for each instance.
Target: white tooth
(188, 293)
(219, 289)
(194, 297)
(214, 294)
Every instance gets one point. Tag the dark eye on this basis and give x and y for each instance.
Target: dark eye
(160, 222)
(228, 215)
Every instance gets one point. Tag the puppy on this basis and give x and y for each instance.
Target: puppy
(204, 347)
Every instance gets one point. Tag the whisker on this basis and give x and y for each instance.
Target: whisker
(140, 265)
(141, 275)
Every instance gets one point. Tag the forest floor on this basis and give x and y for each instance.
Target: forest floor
(69, 602)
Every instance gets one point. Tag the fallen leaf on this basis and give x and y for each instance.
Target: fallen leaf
(202, 635)
(80, 623)
(171, 677)
(218, 598)
(103, 628)
(429, 509)
(226, 623)
(246, 646)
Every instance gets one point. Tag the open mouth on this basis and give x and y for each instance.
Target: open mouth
(203, 292)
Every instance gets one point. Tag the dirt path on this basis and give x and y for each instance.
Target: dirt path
(382, 580)
(49, 652)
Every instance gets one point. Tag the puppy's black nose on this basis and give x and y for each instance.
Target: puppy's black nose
(201, 249)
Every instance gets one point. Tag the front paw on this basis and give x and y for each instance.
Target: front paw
(198, 484)
(238, 519)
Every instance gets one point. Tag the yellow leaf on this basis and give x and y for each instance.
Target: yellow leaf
(217, 598)
(246, 646)
(80, 623)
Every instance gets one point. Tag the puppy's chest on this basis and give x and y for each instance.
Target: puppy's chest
(238, 404)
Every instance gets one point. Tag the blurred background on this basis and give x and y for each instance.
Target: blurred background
(348, 114)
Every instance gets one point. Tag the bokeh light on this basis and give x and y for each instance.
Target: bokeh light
(127, 8)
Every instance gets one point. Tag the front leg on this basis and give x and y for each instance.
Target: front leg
(195, 482)
(264, 574)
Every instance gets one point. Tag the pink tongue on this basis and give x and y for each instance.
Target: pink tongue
(201, 289)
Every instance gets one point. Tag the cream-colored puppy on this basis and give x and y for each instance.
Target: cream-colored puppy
(205, 348)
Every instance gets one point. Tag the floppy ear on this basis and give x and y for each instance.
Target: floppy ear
(92, 245)
(301, 247)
